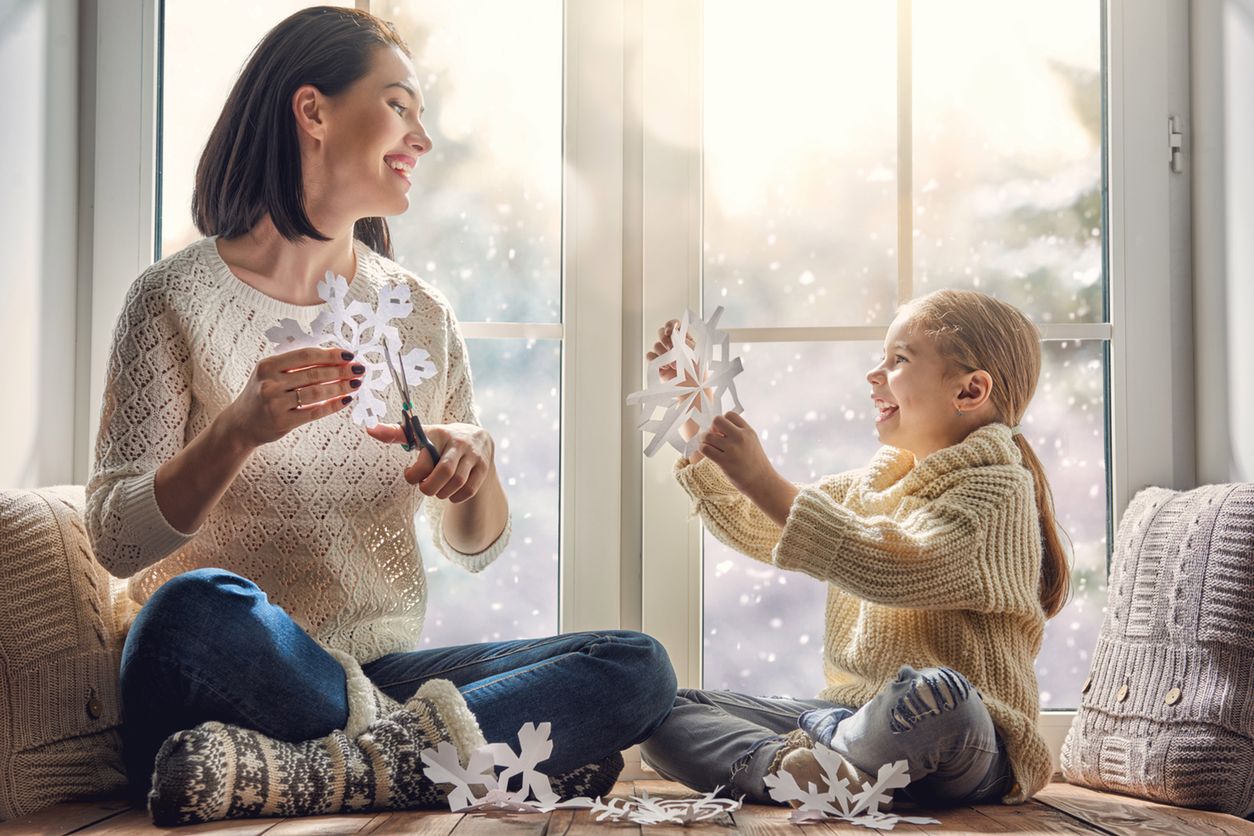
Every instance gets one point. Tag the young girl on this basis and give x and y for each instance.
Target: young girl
(268, 539)
(942, 561)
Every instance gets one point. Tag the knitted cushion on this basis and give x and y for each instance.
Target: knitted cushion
(60, 644)
(1168, 710)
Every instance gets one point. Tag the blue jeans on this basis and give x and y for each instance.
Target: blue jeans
(208, 645)
(933, 719)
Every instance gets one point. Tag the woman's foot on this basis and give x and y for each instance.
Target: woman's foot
(219, 771)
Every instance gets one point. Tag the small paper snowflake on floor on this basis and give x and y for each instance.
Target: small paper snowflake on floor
(478, 788)
(837, 801)
(645, 809)
(704, 379)
(359, 328)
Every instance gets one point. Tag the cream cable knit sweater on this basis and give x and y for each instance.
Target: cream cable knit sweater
(322, 519)
(930, 564)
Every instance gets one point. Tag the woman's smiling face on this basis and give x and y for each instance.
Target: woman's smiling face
(914, 399)
(373, 140)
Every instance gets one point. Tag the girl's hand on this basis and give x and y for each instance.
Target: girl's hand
(664, 344)
(466, 459)
(290, 389)
(669, 372)
(734, 446)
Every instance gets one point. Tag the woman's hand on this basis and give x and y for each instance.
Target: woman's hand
(290, 389)
(466, 459)
(734, 446)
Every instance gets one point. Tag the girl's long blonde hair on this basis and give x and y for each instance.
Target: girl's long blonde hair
(974, 331)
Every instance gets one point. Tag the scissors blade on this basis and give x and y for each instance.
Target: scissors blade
(397, 378)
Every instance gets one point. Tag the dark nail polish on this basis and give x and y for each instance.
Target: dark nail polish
(347, 355)
(359, 369)
(346, 399)
(354, 383)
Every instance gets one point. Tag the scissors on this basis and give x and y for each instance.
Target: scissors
(414, 435)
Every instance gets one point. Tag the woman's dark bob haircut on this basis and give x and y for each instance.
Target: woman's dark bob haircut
(251, 164)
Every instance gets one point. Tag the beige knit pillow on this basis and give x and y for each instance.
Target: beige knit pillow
(59, 647)
(1168, 710)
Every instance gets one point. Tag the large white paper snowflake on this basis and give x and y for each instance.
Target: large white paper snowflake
(359, 328)
(704, 379)
(837, 801)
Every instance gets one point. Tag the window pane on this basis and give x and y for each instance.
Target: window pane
(800, 150)
(1007, 153)
(484, 222)
(811, 405)
(516, 387)
(1066, 425)
(205, 46)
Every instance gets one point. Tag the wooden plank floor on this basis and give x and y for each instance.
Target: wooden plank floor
(1060, 808)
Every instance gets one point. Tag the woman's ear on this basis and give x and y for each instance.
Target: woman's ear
(309, 109)
(976, 390)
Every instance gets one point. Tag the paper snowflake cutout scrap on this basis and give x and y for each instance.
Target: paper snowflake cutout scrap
(646, 809)
(359, 328)
(837, 801)
(704, 379)
(477, 788)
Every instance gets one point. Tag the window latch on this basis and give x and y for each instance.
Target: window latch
(1175, 141)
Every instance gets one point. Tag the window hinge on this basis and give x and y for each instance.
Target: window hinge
(1175, 141)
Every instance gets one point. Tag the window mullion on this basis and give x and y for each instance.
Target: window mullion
(671, 60)
(905, 156)
(592, 218)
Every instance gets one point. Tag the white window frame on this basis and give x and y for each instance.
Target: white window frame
(1148, 330)
(631, 257)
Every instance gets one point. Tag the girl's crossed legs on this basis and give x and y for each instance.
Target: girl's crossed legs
(933, 719)
(208, 645)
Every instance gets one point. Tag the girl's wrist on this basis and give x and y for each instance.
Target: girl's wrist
(778, 502)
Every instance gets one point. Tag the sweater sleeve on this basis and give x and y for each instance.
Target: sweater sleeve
(147, 399)
(936, 558)
(460, 408)
(730, 515)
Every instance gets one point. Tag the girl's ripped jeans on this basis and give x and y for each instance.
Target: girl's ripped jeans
(934, 719)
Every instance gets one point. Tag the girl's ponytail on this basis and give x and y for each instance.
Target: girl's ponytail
(975, 331)
(1055, 568)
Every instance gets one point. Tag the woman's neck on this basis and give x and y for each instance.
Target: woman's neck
(288, 270)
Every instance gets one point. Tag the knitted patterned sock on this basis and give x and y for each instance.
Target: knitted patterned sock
(594, 780)
(217, 771)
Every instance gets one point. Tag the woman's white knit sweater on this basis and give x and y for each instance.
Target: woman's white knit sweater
(322, 519)
(934, 564)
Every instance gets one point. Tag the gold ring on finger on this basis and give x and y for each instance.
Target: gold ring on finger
(298, 403)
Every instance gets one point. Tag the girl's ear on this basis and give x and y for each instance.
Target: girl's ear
(309, 109)
(976, 390)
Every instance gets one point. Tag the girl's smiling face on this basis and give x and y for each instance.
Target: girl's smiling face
(371, 138)
(922, 404)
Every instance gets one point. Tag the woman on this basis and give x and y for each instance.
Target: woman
(268, 539)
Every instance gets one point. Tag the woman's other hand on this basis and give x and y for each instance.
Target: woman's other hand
(466, 459)
(291, 389)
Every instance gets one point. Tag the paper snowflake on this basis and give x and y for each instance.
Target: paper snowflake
(359, 328)
(837, 801)
(704, 379)
(645, 809)
(478, 788)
